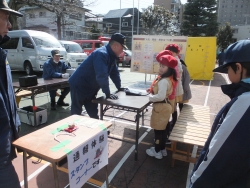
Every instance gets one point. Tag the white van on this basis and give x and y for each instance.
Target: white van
(75, 56)
(28, 49)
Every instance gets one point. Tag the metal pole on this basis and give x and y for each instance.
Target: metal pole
(133, 20)
(120, 17)
(138, 21)
(25, 171)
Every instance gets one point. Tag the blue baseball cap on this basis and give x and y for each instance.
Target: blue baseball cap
(118, 37)
(238, 52)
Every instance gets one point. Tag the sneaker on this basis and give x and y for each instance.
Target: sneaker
(164, 152)
(168, 141)
(151, 152)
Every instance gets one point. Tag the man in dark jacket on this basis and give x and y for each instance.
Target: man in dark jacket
(54, 68)
(9, 120)
(93, 74)
(221, 57)
(224, 161)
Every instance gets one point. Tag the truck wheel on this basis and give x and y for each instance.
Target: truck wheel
(28, 68)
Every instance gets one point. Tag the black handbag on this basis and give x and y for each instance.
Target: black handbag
(27, 81)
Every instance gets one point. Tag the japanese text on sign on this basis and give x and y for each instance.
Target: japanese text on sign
(88, 158)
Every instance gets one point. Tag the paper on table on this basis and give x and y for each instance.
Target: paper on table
(90, 123)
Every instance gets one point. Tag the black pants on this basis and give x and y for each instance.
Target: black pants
(65, 92)
(78, 100)
(160, 139)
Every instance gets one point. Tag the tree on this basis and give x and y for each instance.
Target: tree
(95, 32)
(158, 20)
(59, 7)
(200, 18)
(225, 36)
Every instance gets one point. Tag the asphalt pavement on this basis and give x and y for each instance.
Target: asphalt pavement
(123, 171)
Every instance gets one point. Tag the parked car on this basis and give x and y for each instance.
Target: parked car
(127, 57)
(28, 49)
(75, 56)
(88, 46)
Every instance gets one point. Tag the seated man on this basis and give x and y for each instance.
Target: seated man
(54, 68)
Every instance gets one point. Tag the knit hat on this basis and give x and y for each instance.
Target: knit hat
(168, 60)
(164, 52)
(173, 47)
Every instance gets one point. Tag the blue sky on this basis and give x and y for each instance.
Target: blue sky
(103, 6)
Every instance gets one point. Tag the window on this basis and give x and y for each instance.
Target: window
(124, 24)
(109, 25)
(75, 16)
(235, 30)
(32, 15)
(42, 14)
(69, 33)
(27, 43)
(98, 45)
(11, 44)
(87, 45)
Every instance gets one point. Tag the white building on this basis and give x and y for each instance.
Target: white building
(72, 26)
(241, 32)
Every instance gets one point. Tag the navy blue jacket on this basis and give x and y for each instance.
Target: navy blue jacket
(94, 73)
(9, 119)
(54, 70)
(221, 58)
(224, 161)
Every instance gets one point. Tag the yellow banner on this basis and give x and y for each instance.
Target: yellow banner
(201, 57)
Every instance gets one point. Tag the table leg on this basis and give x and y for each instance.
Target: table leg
(137, 135)
(188, 152)
(107, 178)
(101, 111)
(173, 152)
(55, 175)
(142, 118)
(25, 169)
(33, 103)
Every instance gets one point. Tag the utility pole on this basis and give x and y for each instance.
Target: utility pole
(133, 17)
(120, 17)
(138, 21)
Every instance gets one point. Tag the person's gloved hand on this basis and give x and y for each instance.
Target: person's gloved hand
(111, 96)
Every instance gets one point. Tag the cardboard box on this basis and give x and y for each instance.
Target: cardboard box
(26, 115)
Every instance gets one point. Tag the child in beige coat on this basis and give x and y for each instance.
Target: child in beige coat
(160, 89)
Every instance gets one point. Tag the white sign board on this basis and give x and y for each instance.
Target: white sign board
(146, 47)
(88, 158)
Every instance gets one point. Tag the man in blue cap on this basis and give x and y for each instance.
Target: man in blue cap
(225, 158)
(54, 68)
(94, 74)
(9, 120)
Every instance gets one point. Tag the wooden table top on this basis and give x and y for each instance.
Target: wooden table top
(126, 101)
(41, 143)
(192, 126)
(41, 83)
